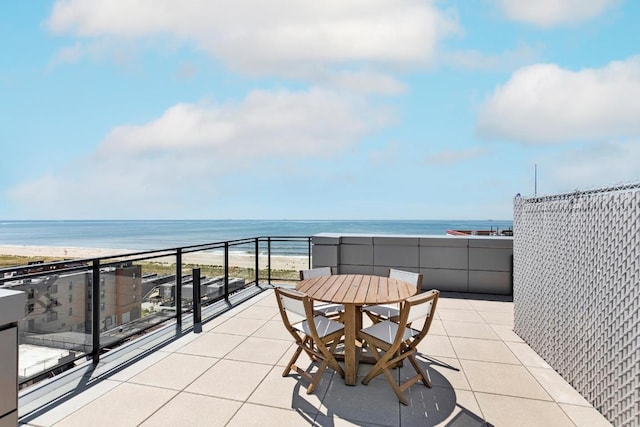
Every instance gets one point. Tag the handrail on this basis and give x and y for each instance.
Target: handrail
(96, 267)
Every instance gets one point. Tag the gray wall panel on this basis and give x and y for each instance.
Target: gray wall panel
(400, 256)
(488, 259)
(490, 242)
(380, 270)
(492, 282)
(325, 240)
(356, 254)
(357, 240)
(444, 280)
(358, 269)
(447, 257)
(396, 241)
(325, 256)
(444, 242)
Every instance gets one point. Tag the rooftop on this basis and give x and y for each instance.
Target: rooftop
(230, 374)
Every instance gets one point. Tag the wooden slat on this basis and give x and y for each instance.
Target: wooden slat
(342, 292)
(306, 285)
(352, 290)
(320, 288)
(333, 287)
(374, 287)
(383, 291)
(394, 294)
(362, 290)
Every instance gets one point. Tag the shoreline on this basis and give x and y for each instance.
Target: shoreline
(278, 262)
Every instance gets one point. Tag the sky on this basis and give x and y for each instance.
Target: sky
(292, 109)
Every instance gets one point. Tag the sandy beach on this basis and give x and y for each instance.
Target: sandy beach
(278, 262)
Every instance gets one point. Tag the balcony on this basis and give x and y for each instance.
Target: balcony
(152, 361)
(482, 374)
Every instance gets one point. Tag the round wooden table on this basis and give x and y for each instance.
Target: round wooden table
(354, 291)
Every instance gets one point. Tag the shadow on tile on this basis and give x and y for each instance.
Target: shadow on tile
(466, 418)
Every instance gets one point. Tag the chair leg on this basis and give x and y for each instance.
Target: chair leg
(396, 388)
(332, 361)
(290, 366)
(374, 318)
(419, 370)
(317, 376)
(376, 369)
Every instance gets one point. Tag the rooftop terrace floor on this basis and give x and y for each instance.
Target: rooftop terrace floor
(230, 374)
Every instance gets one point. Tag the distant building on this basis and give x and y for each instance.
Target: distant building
(61, 302)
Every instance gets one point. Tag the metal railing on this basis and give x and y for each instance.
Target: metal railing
(89, 306)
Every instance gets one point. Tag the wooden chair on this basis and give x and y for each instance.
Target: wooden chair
(378, 313)
(328, 309)
(316, 335)
(392, 342)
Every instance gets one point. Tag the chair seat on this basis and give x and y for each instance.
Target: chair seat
(328, 308)
(386, 331)
(386, 311)
(324, 326)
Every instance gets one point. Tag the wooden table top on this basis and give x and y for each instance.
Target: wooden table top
(359, 289)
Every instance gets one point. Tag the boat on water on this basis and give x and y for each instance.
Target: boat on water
(508, 232)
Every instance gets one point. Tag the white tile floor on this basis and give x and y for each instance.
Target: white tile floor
(230, 374)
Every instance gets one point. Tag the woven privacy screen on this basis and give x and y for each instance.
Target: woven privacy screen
(576, 292)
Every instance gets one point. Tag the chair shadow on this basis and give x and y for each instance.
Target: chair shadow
(376, 403)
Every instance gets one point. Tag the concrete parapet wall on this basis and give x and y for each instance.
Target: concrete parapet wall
(480, 264)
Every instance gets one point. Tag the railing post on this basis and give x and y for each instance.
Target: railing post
(197, 313)
(178, 291)
(95, 312)
(269, 259)
(309, 251)
(226, 271)
(257, 262)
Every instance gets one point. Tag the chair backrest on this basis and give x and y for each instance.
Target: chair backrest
(421, 306)
(406, 276)
(296, 302)
(292, 301)
(315, 272)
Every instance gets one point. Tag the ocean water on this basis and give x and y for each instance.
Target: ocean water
(160, 234)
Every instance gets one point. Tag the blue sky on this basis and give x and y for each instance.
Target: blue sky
(360, 109)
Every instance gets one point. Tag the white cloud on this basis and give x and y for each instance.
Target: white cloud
(549, 13)
(191, 150)
(365, 82)
(264, 123)
(543, 104)
(478, 61)
(257, 37)
(123, 55)
(593, 166)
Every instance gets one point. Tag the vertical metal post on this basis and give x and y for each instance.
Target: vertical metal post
(309, 252)
(95, 312)
(178, 290)
(226, 271)
(269, 260)
(197, 313)
(257, 262)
